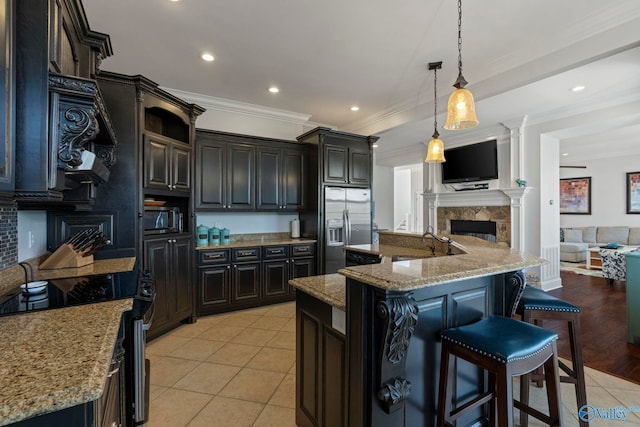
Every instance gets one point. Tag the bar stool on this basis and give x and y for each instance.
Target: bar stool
(506, 348)
(535, 306)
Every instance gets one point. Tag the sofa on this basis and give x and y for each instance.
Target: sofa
(575, 241)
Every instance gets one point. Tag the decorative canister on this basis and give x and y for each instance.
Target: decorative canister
(214, 236)
(202, 235)
(225, 236)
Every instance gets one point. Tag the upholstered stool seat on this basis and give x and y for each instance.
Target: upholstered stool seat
(535, 306)
(505, 348)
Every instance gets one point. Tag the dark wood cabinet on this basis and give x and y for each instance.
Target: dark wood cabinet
(224, 174)
(335, 164)
(347, 164)
(7, 101)
(360, 165)
(167, 164)
(321, 366)
(243, 172)
(170, 261)
(238, 278)
(281, 179)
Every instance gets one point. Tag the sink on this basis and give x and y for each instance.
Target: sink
(395, 258)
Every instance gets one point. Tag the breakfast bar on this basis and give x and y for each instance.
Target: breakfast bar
(368, 351)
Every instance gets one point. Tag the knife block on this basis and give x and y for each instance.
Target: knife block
(65, 257)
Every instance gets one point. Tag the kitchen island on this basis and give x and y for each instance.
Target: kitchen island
(376, 362)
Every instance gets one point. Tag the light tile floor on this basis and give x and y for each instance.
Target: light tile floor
(238, 369)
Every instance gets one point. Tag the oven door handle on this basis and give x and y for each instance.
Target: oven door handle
(146, 326)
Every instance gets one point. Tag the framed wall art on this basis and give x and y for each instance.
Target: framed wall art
(575, 196)
(633, 192)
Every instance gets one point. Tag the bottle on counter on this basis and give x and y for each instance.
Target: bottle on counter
(214, 236)
(225, 236)
(202, 235)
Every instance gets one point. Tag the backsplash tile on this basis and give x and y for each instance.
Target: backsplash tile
(8, 236)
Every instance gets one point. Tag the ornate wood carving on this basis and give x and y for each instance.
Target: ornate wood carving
(393, 393)
(79, 127)
(516, 283)
(401, 315)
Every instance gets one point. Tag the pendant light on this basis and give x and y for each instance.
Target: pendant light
(435, 149)
(461, 110)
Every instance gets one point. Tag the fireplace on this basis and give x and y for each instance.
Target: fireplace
(482, 229)
(500, 216)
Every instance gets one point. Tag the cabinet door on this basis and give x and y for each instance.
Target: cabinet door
(182, 269)
(303, 267)
(181, 168)
(7, 99)
(211, 171)
(275, 278)
(240, 185)
(246, 282)
(214, 286)
(269, 195)
(294, 179)
(359, 166)
(156, 260)
(335, 164)
(156, 163)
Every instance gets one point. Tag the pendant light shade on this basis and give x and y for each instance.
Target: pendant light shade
(435, 149)
(461, 110)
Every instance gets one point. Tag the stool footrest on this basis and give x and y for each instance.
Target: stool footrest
(533, 412)
(480, 400)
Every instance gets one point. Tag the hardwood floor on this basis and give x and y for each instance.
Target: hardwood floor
(603, 321)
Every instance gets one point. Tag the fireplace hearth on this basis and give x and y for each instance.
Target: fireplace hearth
(482, 229)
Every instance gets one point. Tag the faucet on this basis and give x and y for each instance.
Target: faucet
(434, 236)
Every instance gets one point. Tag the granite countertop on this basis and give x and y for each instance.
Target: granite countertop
(14, 275)
(256, 242)
(472, 257)
(329, 288)
(55, 359)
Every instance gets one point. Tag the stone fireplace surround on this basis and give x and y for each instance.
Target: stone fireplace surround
(501, 215)
(504, 206)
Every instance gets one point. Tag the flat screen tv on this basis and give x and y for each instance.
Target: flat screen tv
(469, 163)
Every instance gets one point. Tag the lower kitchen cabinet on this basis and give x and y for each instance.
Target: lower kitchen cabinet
(238, 278)
(170, 261)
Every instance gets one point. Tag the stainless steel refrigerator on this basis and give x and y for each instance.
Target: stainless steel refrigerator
(347, 222)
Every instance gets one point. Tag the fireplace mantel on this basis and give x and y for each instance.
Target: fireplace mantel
(513, 197)
(502, 197)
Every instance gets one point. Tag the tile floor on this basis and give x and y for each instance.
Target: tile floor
(238, 369)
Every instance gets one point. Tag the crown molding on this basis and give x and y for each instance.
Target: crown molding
(237, 107)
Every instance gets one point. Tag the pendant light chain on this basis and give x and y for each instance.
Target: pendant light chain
(435, 102)
(460, 37)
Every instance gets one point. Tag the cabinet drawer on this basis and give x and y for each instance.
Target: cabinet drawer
(305, 249)
(214, 257)
(246, 254)
(271, 252)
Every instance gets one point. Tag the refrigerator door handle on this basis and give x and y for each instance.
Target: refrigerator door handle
(347, 223)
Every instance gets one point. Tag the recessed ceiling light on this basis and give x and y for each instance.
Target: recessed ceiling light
(355, 108)
(274, 89)
(565, 154)
(207, 57)
(577, 88)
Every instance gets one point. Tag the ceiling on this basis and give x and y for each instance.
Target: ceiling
(521, 58)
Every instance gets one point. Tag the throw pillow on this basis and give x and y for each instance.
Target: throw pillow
(573, 236)
(589, 234)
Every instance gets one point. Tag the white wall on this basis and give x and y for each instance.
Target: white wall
(401, 195)
(383, 196)
(608, 192)
(32, 234)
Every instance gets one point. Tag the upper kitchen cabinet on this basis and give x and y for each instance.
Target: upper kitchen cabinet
(243, 172)
(7, 102)
(225, 171)
(282, 175)
(344, 158)
(65, 140)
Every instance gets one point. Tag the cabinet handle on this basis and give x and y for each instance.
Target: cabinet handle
(228, 267)
(173, 187)
(169, 185)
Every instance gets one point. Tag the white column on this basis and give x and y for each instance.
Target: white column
(517, 216)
